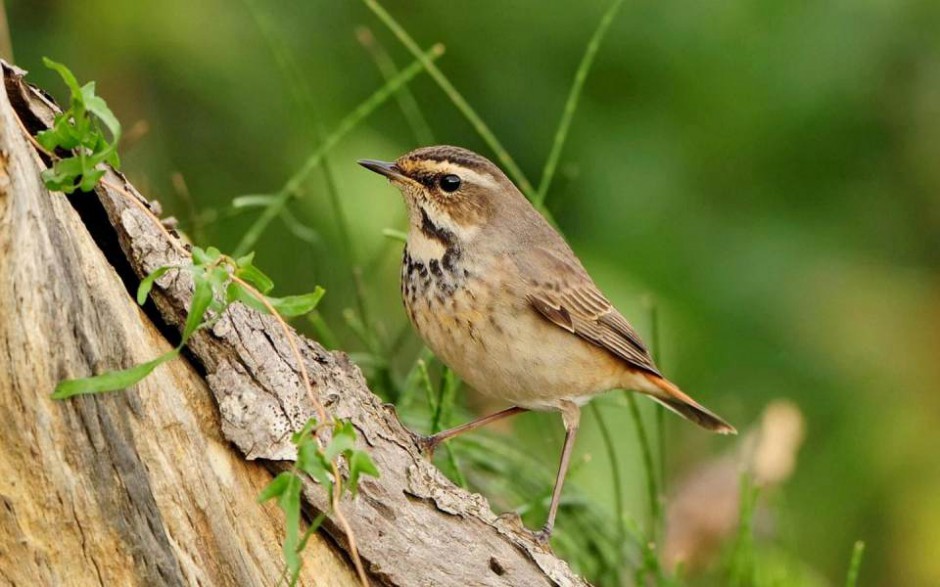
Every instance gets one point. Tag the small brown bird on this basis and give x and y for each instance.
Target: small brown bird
(501, 298)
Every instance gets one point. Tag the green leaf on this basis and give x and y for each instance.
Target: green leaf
(291, 306)
(202, 298)
(276, 487)
(67, 76)
(111, 380)
(63, 174)
(360, 463)
(237, 292)
(245, 259)
(303, 435)
(219, 278)
(60, 135)
(199, 256)
(143, 290)
(289, 502)
(254, 276)
(344, 439)
(97, 106)
(312, 462)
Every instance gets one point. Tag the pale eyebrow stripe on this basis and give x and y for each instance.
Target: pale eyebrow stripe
(484, 179)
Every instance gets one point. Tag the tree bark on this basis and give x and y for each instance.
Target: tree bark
(146, 486)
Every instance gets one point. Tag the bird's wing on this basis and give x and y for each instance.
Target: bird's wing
(567, 297)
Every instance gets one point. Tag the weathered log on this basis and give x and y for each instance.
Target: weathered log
(140, 486)
(125, 488)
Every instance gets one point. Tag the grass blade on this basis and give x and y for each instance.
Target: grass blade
(609, 448)
(855, 564)
(406, 100)
(551, 164)
(347, 124)
(482, 129)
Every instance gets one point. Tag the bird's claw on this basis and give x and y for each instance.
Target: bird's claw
(543, 537)
(426, 444)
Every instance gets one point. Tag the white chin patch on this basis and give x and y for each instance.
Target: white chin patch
(423, 248)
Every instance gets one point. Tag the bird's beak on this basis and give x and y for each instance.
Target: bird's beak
(388, 169)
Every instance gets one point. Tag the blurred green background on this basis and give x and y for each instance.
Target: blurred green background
(767, 173)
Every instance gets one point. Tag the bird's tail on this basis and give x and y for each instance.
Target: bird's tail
(670, 396)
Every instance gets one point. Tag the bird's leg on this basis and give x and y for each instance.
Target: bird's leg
(571, 415)
(429, 443)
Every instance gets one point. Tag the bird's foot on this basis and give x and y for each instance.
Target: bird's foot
(543, 537)
(426, 444)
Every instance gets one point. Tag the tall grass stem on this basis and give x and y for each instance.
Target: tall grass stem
(457, 98)
(571, 104)
(292, 187)
(851, 579)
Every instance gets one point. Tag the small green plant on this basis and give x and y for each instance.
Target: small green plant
(218, 281)
(78, 129)
(317, 462)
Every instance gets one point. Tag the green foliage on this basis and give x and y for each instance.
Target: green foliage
(318, 463)
(218, 280)
(78, 129)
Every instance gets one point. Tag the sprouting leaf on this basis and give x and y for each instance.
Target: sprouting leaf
(90, 178)
(65, 73)
(206, 256)
(303, 434)
(290, 306)
(97, 106)
(312, 462)
(202, 298)
(276, 487)
(360, 463)
(199, 256)
(344, 439)
(245, 259)
(77, 129)
(237, 292)
(254, 276)
(143, 290)
(111, 380)
(62, 175)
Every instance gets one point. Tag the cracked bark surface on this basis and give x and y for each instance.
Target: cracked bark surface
(129, 469)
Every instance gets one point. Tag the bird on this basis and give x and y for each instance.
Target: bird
(501, 298)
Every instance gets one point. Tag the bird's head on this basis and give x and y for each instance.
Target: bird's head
(450, 189)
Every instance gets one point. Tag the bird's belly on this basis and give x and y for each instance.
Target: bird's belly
(503, 348)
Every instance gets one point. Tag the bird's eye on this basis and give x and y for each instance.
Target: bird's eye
(449, 183)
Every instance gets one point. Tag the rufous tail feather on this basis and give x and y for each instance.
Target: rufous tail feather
(671, 397)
